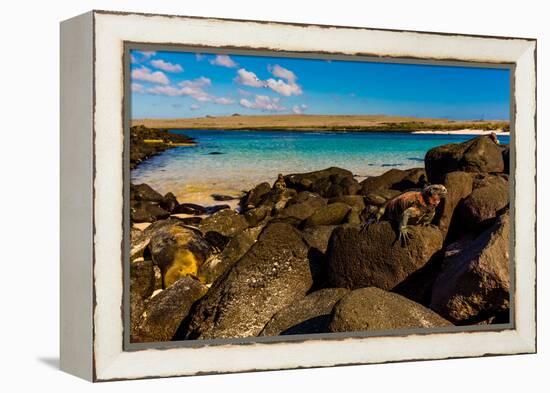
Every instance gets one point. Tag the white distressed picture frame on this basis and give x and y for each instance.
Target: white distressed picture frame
(92, 174)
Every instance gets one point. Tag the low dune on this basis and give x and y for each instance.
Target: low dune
(323, 122)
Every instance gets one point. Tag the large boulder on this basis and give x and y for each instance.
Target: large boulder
(253, 197)
(164, 313)
(396, 179)
(318, 236)
(237, 246)
(178, 251)
(490, 196)
(278, 199)
(144, 192)
(479, 155)
(145, 211)
(169, 202)
(305, 181)
(142, 279)
(142, 284)
(373, 256)
(371, 308)
(273, 274)
(225, 222)
(306, 316)
(475, 279)
(256, 215)
(356, 202)
(332, 214)
(459, 186)
(301, 207)
(381, 196)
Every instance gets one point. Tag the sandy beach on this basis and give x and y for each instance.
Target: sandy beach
(463, 132)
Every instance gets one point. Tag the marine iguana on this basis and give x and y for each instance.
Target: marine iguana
(279, 183)
(416, 207)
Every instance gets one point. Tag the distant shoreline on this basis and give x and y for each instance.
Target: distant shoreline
(330, 123)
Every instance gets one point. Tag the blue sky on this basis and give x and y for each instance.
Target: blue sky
(182, 84)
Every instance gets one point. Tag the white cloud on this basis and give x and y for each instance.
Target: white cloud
(145, 74)
(223, 101)
(263, 103)
(198, 82)
(299, 109)
(224, 61)
(281, 72)
(165, 91)
(141, 56)
(248, 78)
(137, 88)
(166, 66)
(147, 53)
(283, 88)
(244, 92)
(194, 107)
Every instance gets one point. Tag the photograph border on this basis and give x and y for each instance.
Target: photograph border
(129, 46)
(91, 306)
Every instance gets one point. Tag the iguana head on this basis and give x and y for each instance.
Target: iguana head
(433, 193)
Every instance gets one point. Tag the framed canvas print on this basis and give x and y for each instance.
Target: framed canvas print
(245, 195)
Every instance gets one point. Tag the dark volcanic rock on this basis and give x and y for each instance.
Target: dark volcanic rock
(142, 147)
(278, 199)
(225, 222)
(144, 192)
(396, 179)
(311, 198)
(257, 215)
(305, 181)
(144, 211)
(178, 251)
(169, 202)
(375, 309)
(332, 214)
(480, 155)
(380, 197)
(142, 279)
(273, 274)
(459, 186)
(506, 158)
(253, 198)
(165, 311)
(356, 202)
(216, 208)
(490, 195)
(301, 207)
(353, 218)
(189, 208)
(238, 245)
(475, 279)
(306, 316)
(221, 197)
(318, 236)
(373, 256)
(142, 284)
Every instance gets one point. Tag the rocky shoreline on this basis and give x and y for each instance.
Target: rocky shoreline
(147, 142)
(297, 257)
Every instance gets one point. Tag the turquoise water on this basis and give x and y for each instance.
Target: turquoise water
(250, 157)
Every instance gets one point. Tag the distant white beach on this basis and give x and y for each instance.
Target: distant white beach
(466, 131)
